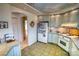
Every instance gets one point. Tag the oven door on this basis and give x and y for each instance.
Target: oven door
(64, 43)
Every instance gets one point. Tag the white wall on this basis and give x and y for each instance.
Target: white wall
(5, 15)
(32, 32)
(17, 17)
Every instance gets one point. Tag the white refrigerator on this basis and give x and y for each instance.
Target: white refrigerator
(42, 31)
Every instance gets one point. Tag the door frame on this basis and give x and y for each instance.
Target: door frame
(24, 18)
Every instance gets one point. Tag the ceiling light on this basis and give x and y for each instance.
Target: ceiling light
(74, 11)
(40, 17)
(66, 14)
(57, 15)
(52, 16)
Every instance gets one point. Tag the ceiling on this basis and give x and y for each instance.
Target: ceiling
(54, 8)
(25, 7)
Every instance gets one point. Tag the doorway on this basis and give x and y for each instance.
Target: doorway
(25, 32)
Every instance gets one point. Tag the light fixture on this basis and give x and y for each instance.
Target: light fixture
(74, 11)
(40, 17)
(65, 14)
(52, 16)
(57, 15)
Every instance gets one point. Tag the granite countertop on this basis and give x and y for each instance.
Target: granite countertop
(5, 47)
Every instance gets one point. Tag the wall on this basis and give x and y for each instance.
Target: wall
(32, 32)
(5, 15)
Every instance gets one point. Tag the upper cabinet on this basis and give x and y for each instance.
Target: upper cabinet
(74, 16)
(66, 17)
(52, 21)
(58, 20)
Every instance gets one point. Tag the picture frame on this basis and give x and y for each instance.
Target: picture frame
(3, 24)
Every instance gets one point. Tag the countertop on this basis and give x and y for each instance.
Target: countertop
(5, 47)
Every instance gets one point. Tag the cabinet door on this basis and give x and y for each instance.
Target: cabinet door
(50, 38)
(74, 16)
(53, 38)
(74, 51)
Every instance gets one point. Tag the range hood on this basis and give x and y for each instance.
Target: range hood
(76, 25)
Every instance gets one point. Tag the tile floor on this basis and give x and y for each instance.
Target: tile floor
(42, 49)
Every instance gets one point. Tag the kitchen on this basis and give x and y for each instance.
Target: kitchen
(62, 29)
(52, 27)
(66, 33)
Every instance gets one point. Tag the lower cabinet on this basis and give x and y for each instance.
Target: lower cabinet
(74, 51)
(53, 38)
(14, 51)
